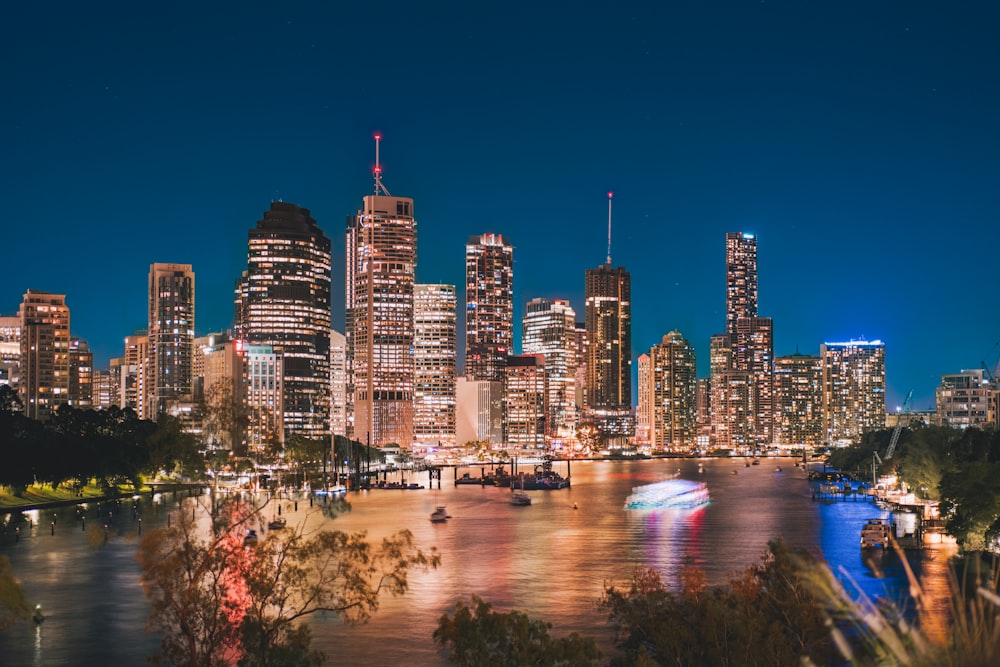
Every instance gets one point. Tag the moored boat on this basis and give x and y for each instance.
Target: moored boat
(277, 524)
(876, 533)
(440, 514)
(520, 498)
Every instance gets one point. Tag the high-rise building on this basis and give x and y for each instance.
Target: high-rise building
(478, 411)
(44, 359)
(263, 396)
(798, 400)
(608, 402)
(963, 399)
(853, 389)
(104, 390)
(525, 394)
(741, 278)
(339, 403)
(548, 328)
(742, 358)
(81, 374)
(381, 269)
(283, 301)
(489, 306)
(672, 388)
(171, 334)
(435, 359)
(134, 374)
(643, 409)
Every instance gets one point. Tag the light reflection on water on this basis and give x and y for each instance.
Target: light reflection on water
(548, 560)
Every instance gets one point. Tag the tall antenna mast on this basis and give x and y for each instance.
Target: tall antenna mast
(378, 171)
(610, 195)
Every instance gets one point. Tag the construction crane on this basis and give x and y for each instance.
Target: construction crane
(899, 426)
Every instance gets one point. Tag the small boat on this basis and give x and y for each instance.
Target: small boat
(701, 468)
(440, 515)
(520, 498)
(876, 533)
(736, 472)
(777, 468)
(467, 478)
(250, 539)
(277, 524)
(755, 462)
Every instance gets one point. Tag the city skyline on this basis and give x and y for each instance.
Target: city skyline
(857, 145)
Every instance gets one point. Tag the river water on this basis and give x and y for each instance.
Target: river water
(550, 560)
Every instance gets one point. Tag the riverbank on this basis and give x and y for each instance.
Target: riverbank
(45, 497)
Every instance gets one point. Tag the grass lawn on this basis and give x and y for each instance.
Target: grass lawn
(45, 494)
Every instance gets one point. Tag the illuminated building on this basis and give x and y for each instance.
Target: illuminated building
(81, 374)
(478, 411)
(283, 300)
(548, 328)
(672, 388)
(104, 390)
(580, 356)
(44, 359)
(643, 410)
(134, 374)
(171, 334)
(741, 278)
(10, 350)
(853, 389)
(608, 402)
(434, 358)
(263, 396)
(380, 266)
(339, 411)
(524, 409)
(798, 400)
(742, 358)
(489, 306)
(963, 399)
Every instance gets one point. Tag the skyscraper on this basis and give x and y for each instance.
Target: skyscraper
(381, 269)
(853, 389)
(489, 306)
(44, 364)
(283, 301)
(741, 278)
(339, 402)
(81, 374)
(608, 402)
(434, 354)
(548, 328)
(171, 334)
(673, 379)
(798, 400)
(524, 400)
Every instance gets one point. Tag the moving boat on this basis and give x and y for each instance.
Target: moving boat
(277, 524)
(670, 493)
(520, 498)
(440, 515)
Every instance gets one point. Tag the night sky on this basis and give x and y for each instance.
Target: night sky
(858, 140)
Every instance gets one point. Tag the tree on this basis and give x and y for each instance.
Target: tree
(225, 418)
(13, 605)
(480, 637)
(767, 616)
(219, 599)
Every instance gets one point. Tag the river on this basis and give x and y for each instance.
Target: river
(549, 560)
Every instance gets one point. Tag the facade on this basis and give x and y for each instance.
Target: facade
(44, 358)
(263, 394)
(381, 269)
(104, 390)
(525, 394)
(10, 350)
(672, 387)
(798, 400)
(548, 328)
(644, 405)
(753, 353)
(963, 399)
(171, 334)
(608, 402)
(489, 306)
(134, 374)
(853, 389)
(434, 359)
(283, 301)
(741, 278)
(81, 374)
(478, 411)
(339, 413)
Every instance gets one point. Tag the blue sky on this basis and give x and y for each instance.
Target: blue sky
(857, 140)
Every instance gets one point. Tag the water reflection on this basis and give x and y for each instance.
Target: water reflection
(549, 560)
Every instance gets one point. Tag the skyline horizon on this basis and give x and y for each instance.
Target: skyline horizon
(858, 143)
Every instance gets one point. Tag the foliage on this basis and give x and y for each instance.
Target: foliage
(225, 418)
(13, 605)
(765, 617)
(480, 637)
(219, 601)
